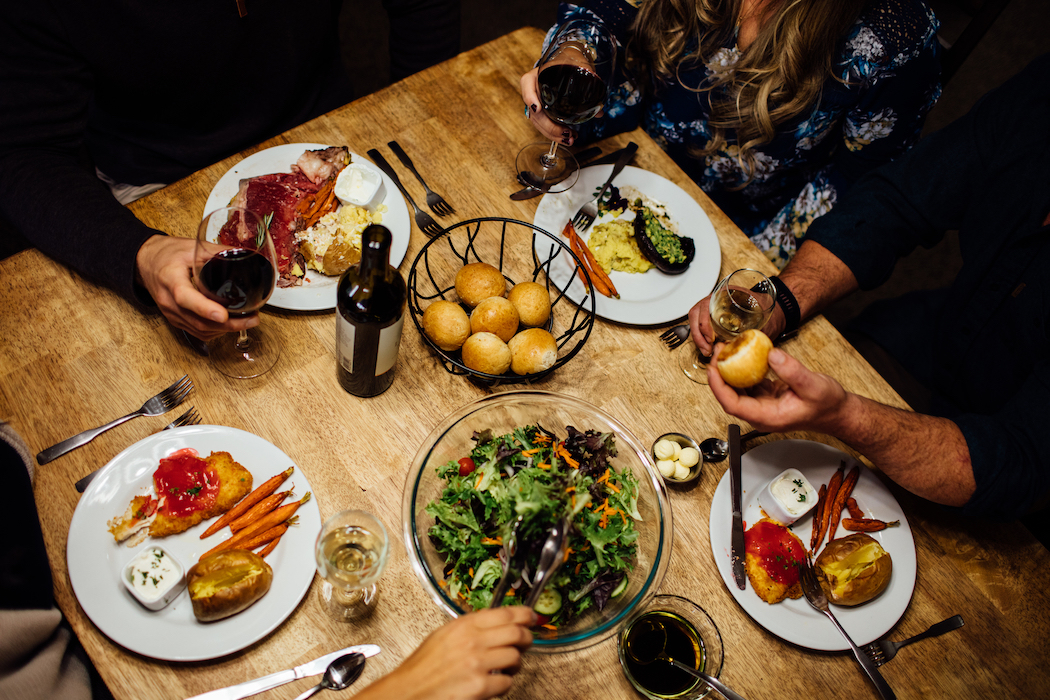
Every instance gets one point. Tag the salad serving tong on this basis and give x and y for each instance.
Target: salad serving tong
(158, 405)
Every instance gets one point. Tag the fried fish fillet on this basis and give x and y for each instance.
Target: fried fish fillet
(235, 482)
(772, 554)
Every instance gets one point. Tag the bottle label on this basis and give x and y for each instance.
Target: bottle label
(371, 352)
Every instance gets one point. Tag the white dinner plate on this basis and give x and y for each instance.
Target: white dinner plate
(95, 560)
(652, 298)
(795, 620)
(317, 292)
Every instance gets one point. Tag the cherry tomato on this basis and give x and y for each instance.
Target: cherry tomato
(542, 619)
(466, 466)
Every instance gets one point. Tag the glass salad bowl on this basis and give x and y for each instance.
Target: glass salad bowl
(619, 507)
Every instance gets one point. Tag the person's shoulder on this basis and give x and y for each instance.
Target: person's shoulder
(889, 34)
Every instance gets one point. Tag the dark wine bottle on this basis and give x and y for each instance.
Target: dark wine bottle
(370, 311)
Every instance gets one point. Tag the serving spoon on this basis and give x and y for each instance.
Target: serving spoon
(658, 652)
(339, 675)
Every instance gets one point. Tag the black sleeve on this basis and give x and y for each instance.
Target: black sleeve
(48, 192)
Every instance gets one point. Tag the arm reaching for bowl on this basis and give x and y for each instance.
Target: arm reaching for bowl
(459, 660)
(897, 441)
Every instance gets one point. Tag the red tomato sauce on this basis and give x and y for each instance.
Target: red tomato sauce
(186, 483)
(777, 551)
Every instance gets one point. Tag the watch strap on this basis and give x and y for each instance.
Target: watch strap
(789, 305)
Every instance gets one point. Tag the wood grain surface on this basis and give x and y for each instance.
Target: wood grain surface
(73, 356)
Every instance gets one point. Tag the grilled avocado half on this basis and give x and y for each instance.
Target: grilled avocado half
(667, 251)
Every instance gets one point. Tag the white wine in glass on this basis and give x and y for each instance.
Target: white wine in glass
(351, 553)
(740, 302)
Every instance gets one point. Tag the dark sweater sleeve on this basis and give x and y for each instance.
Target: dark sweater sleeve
(47, 191)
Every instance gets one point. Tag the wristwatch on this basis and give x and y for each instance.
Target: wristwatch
(789, 305)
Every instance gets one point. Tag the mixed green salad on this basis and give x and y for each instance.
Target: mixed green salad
(531, 473)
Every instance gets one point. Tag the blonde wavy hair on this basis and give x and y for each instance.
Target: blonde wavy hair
(778, 77)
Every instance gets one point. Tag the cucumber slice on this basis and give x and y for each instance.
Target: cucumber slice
(549, 602)
(620, 587)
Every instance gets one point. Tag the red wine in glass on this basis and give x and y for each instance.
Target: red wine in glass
(239, 279)
(571, 95)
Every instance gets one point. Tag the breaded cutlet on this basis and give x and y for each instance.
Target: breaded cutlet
(235, 482)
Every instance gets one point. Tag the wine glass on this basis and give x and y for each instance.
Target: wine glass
(351, 552)
(233, 264)
(574, 73)
(741, 301)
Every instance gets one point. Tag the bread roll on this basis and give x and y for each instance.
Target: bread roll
(479, 281)
(533, 302)
(446, 323)
(485, 352)
(495, 315)
(744, 361)
(533, 350)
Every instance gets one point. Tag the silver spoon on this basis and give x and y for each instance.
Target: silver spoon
(339, 674)
(715, 449)
(647, 656)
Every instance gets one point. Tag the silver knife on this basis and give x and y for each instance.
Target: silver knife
(311, 668)
(737, 535)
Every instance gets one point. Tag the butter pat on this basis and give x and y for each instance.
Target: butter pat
(788, 497)
(357, 185)
(154, 578)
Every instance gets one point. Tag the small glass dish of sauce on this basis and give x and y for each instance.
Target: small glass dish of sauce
(670, 627)
(154, 577)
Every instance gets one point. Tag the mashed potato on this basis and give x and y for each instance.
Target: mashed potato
(334, 242)
(614, 247)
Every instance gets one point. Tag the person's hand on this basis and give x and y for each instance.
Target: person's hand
(530, 94)
(463, 659)
(165, 265)
(703, 332)
(798, 400)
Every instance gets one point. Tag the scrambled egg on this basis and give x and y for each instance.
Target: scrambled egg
(615, 248)
(334, 242)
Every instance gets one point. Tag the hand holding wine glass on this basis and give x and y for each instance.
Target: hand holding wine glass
(233, 264)
(572, 83)
(741, 301)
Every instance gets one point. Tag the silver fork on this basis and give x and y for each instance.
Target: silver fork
(589, 211)
(424, 221)
(436, 202)
(190, 417)
(673, 337)
(882, 650)
(159, 404)
(819, 601)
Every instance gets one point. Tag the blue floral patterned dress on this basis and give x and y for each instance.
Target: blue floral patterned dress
(886, 80)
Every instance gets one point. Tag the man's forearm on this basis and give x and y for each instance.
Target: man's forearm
(924, 454)
(817, 278)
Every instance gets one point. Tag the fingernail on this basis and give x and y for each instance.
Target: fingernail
(566, 133)
(776, 356)
(534, 108)
(216, 316)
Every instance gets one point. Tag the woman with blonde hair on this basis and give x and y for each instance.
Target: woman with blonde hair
(774, 107)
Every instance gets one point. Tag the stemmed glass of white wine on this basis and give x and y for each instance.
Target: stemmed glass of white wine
(742, 301)
(351, 553)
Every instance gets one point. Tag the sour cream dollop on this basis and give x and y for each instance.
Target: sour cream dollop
(788, 497)
(154, 577)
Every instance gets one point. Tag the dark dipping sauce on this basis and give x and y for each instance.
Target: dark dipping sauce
(661, 633)
(186, 483)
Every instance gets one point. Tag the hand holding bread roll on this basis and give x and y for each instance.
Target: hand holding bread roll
(744, 361)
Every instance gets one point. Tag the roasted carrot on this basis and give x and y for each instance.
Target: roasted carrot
(854, 510)
(584, 271)
(264, 537)
(825, 515)
(248, 501)
(259, 509)
(274, 517)
(593, 264)
(817, 513)
(269, 548)
(840, 500)
(867, 524)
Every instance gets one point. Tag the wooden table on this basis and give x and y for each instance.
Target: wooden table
(70, 353)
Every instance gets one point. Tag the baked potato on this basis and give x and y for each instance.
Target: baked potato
(854, 569)
(227, 582)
